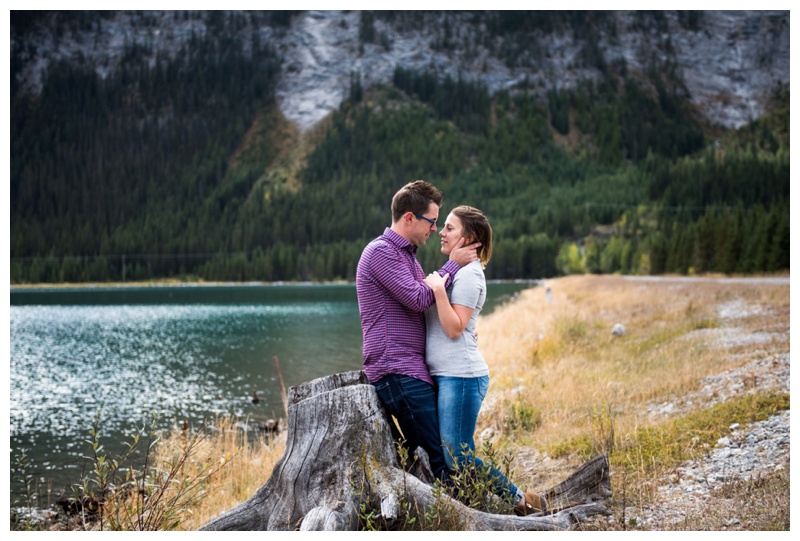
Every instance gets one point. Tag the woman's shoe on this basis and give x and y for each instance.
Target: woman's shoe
(531, 503)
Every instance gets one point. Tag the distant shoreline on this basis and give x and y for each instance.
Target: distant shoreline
(780, 276)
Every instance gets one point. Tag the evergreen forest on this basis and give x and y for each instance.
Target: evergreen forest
(186, 169)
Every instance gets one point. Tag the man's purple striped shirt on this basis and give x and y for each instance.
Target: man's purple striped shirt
(392, 299)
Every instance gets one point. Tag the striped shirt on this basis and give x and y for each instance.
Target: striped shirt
(392, 299)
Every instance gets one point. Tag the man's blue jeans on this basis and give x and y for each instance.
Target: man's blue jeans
(459, 402)
(413, 404)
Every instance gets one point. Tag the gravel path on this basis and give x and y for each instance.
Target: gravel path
(746, 453)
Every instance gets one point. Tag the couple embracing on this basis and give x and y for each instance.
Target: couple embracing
(420, 346)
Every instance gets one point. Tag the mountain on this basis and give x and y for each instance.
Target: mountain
(729, 60)
(162, 143)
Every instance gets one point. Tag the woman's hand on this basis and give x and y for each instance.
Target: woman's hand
(435, 281)
(453, 317)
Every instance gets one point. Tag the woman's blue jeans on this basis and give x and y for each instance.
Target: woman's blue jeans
(460, 401)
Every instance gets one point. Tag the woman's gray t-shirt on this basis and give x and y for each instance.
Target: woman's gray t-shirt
(459, 357)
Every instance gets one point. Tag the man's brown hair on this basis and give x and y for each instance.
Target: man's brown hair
(415, 197)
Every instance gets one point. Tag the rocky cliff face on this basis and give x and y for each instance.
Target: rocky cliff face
(729, 60)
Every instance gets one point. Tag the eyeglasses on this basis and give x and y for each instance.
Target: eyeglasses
(421, 217)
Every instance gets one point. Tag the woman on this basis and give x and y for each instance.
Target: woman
(452, 355)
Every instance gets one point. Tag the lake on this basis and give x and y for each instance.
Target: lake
(182, 352)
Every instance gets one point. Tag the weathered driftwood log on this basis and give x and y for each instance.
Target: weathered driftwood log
(339, 454)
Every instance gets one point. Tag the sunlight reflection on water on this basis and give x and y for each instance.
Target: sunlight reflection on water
(69, 361)
(189, 362)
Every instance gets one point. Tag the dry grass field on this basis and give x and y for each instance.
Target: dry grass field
(564, 387)
(574, 388)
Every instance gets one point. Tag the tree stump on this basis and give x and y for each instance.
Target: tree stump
(340, 453)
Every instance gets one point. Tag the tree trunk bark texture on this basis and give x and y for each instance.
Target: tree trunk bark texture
(340, 454)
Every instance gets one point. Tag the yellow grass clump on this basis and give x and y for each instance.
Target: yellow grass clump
(250, 463)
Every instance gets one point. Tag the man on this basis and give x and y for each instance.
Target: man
(392, 299)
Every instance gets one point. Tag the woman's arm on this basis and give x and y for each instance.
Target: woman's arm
(453, 317)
